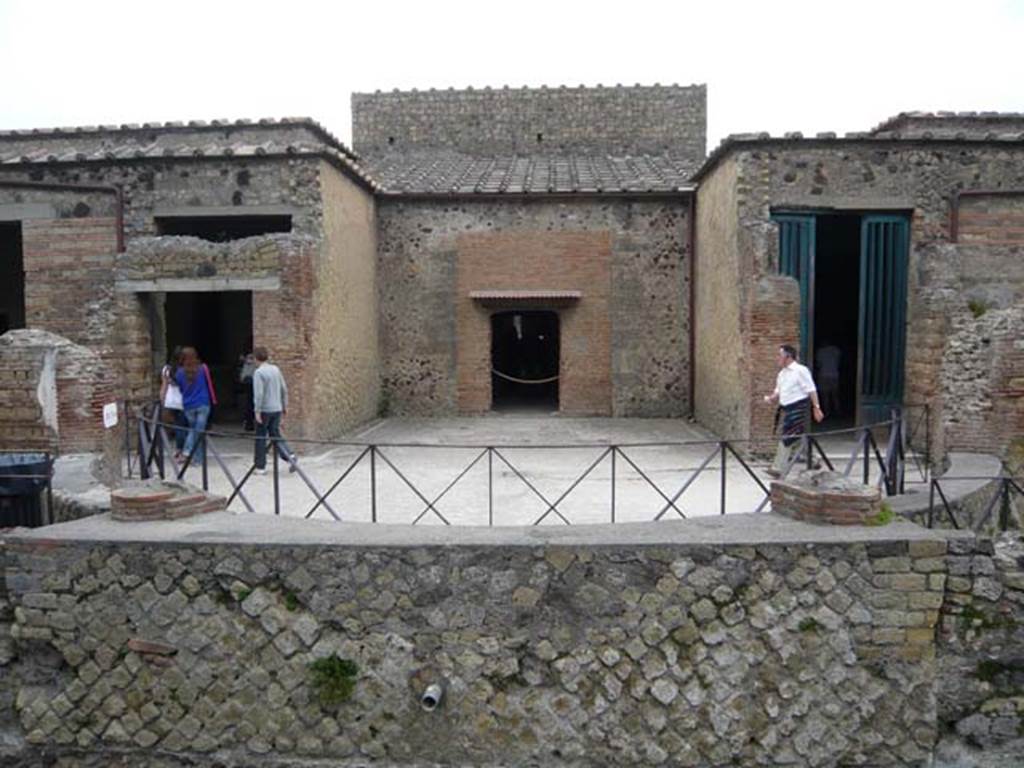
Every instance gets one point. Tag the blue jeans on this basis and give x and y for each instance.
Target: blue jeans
(270, 424)
(196, 418)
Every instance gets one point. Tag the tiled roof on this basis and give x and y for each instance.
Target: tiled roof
(442, 174)
(736, 140)
(896, 121)
(126, 130)
(15, 155)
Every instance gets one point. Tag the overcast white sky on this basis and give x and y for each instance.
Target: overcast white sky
(772, 65)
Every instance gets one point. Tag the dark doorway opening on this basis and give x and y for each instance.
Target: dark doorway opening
(834, 331)
(525, 360)
(12, 277)
(219, 325)
(221, 229)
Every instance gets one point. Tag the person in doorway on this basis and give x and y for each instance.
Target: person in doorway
(246, 368)
(171, 402)
(794, 391)
(270, 405)
(827, 360)
(198, 396)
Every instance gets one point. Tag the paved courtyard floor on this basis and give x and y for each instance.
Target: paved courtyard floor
(535, 456)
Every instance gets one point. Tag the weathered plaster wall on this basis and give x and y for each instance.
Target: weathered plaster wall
(346, 349)
(721, 399)
(418, 256)
(876, 175)
(563, 654)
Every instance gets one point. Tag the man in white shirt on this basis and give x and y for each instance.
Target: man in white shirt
(794, 389)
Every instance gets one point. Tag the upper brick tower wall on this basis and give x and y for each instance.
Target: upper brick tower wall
(621, 121)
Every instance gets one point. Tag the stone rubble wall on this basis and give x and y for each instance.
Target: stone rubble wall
(983, 380)
(523, 121)
(683, 655)
(172, 257)
(981, 642)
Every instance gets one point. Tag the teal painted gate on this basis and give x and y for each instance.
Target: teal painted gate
(884, 245)
(796, 259)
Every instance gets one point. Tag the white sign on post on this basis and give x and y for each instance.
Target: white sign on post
(110, 415)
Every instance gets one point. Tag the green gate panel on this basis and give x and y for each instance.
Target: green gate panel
(884, 245)
(796, 259)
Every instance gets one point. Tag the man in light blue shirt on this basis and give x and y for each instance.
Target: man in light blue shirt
(270, 403)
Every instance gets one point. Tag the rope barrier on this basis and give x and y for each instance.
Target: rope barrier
(514, 380)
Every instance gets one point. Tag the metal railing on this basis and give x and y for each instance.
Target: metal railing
(878, 453)
(1006, 487)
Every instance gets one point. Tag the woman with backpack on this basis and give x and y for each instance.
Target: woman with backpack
(197, 394)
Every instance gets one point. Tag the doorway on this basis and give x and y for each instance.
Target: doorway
(12, 277)
(219, 325)
(525, 351)
(852, 271)
(835, 318)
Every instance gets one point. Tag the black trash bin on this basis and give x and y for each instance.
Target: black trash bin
(23, 479)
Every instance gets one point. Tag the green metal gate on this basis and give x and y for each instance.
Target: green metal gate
(796, 259)
(884, 247)
(884, 244)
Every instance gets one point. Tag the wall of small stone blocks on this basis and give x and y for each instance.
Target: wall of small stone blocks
(619, 120)
(876, 175)
(683, 654)
(980, 636)
(648, 303)
(983, 380)
(345, 346)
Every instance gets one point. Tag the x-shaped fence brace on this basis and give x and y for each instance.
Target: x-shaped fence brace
(1005, 487)
(154, 443)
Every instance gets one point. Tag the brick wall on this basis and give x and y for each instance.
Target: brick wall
(578, 261)
(419, 252)
(283, 321)
(991, 219)
(345, 348)
(623, 120)
(52, 393)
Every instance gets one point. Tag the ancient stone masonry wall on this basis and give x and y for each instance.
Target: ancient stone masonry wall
(872, 174)
(172, 257)
(685, 655)
(983, 380)
(980, 642)
(623, 120)
(419, 255)
(154, 187)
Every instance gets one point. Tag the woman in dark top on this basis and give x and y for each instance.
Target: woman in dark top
(197, 396)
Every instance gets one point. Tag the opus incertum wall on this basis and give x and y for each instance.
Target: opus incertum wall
(745, 640)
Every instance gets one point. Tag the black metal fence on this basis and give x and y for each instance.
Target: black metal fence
(26, 488)
(877, 454)
(1005, 489)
